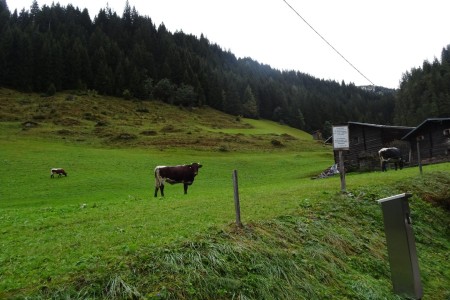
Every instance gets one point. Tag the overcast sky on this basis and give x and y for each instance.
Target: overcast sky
(381, 38)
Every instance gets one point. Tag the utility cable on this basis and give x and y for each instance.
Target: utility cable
(293, 9)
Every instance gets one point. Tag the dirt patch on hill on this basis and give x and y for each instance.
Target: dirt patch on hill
(65, 132)
(149, 132)
(125, 137)
(67, 122)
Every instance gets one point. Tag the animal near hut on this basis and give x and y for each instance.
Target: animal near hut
(365, 140)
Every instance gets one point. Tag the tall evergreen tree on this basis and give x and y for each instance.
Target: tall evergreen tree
(250, 108)
(4, 14)
(34, 10)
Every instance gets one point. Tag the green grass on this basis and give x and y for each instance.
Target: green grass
(105, 206)
(100, 233)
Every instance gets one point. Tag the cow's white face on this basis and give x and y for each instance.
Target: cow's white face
(195, 167)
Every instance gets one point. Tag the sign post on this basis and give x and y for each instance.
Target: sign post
(341, 142)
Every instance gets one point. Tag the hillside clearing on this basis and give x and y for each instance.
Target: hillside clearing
(112, 122)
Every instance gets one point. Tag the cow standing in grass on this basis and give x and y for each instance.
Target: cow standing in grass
(390, 155)
(58, 171)
(177, 174)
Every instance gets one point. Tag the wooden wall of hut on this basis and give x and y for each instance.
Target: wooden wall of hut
(365, 142)
(434, 141)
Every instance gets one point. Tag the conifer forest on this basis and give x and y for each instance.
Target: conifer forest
(54, 48)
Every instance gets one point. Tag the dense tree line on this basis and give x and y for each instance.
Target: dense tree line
(53, 48)
(425, 92)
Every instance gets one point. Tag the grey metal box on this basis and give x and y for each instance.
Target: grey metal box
(401, 246)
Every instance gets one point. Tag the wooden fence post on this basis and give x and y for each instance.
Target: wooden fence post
(237, 205)
(342, 172)
(419, 160)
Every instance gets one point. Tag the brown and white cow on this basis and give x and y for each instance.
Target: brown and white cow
(390, 155)
(184, 174)
(58, 171)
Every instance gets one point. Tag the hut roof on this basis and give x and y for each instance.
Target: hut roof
(431, 120)
(382, 126)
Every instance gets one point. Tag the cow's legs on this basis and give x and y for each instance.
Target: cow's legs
(383, 166)
(159, 187)
(159, 184)
(185, 188)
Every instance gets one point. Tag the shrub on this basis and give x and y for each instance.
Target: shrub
(223, 148)
(70, 97)
(51, 90)
(276, 143)
(101, 123)
(127, 94)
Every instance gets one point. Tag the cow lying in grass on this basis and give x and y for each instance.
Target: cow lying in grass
(58, 171)
(184, 174)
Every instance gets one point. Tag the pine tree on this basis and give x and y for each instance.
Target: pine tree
(4, 14)
(34, 10)
(250, 108)
(6, 50)
(164, 90)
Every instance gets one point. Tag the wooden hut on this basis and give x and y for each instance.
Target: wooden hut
(366, 139)
(433, 138)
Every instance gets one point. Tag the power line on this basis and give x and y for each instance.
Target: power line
(293, 9)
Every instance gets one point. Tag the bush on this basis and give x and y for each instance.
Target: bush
(127, 94)
(51, 90)
(223, 148)
(101, 124)
(276, 143)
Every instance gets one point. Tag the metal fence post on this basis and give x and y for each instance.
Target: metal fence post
(401, 246)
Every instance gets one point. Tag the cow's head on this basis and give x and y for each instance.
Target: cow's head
(195, 167)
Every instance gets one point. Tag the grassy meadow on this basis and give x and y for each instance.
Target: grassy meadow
(100, 233)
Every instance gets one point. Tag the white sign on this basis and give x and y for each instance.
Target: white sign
(340, 138)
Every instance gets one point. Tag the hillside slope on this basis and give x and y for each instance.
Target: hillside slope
(114, 122)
